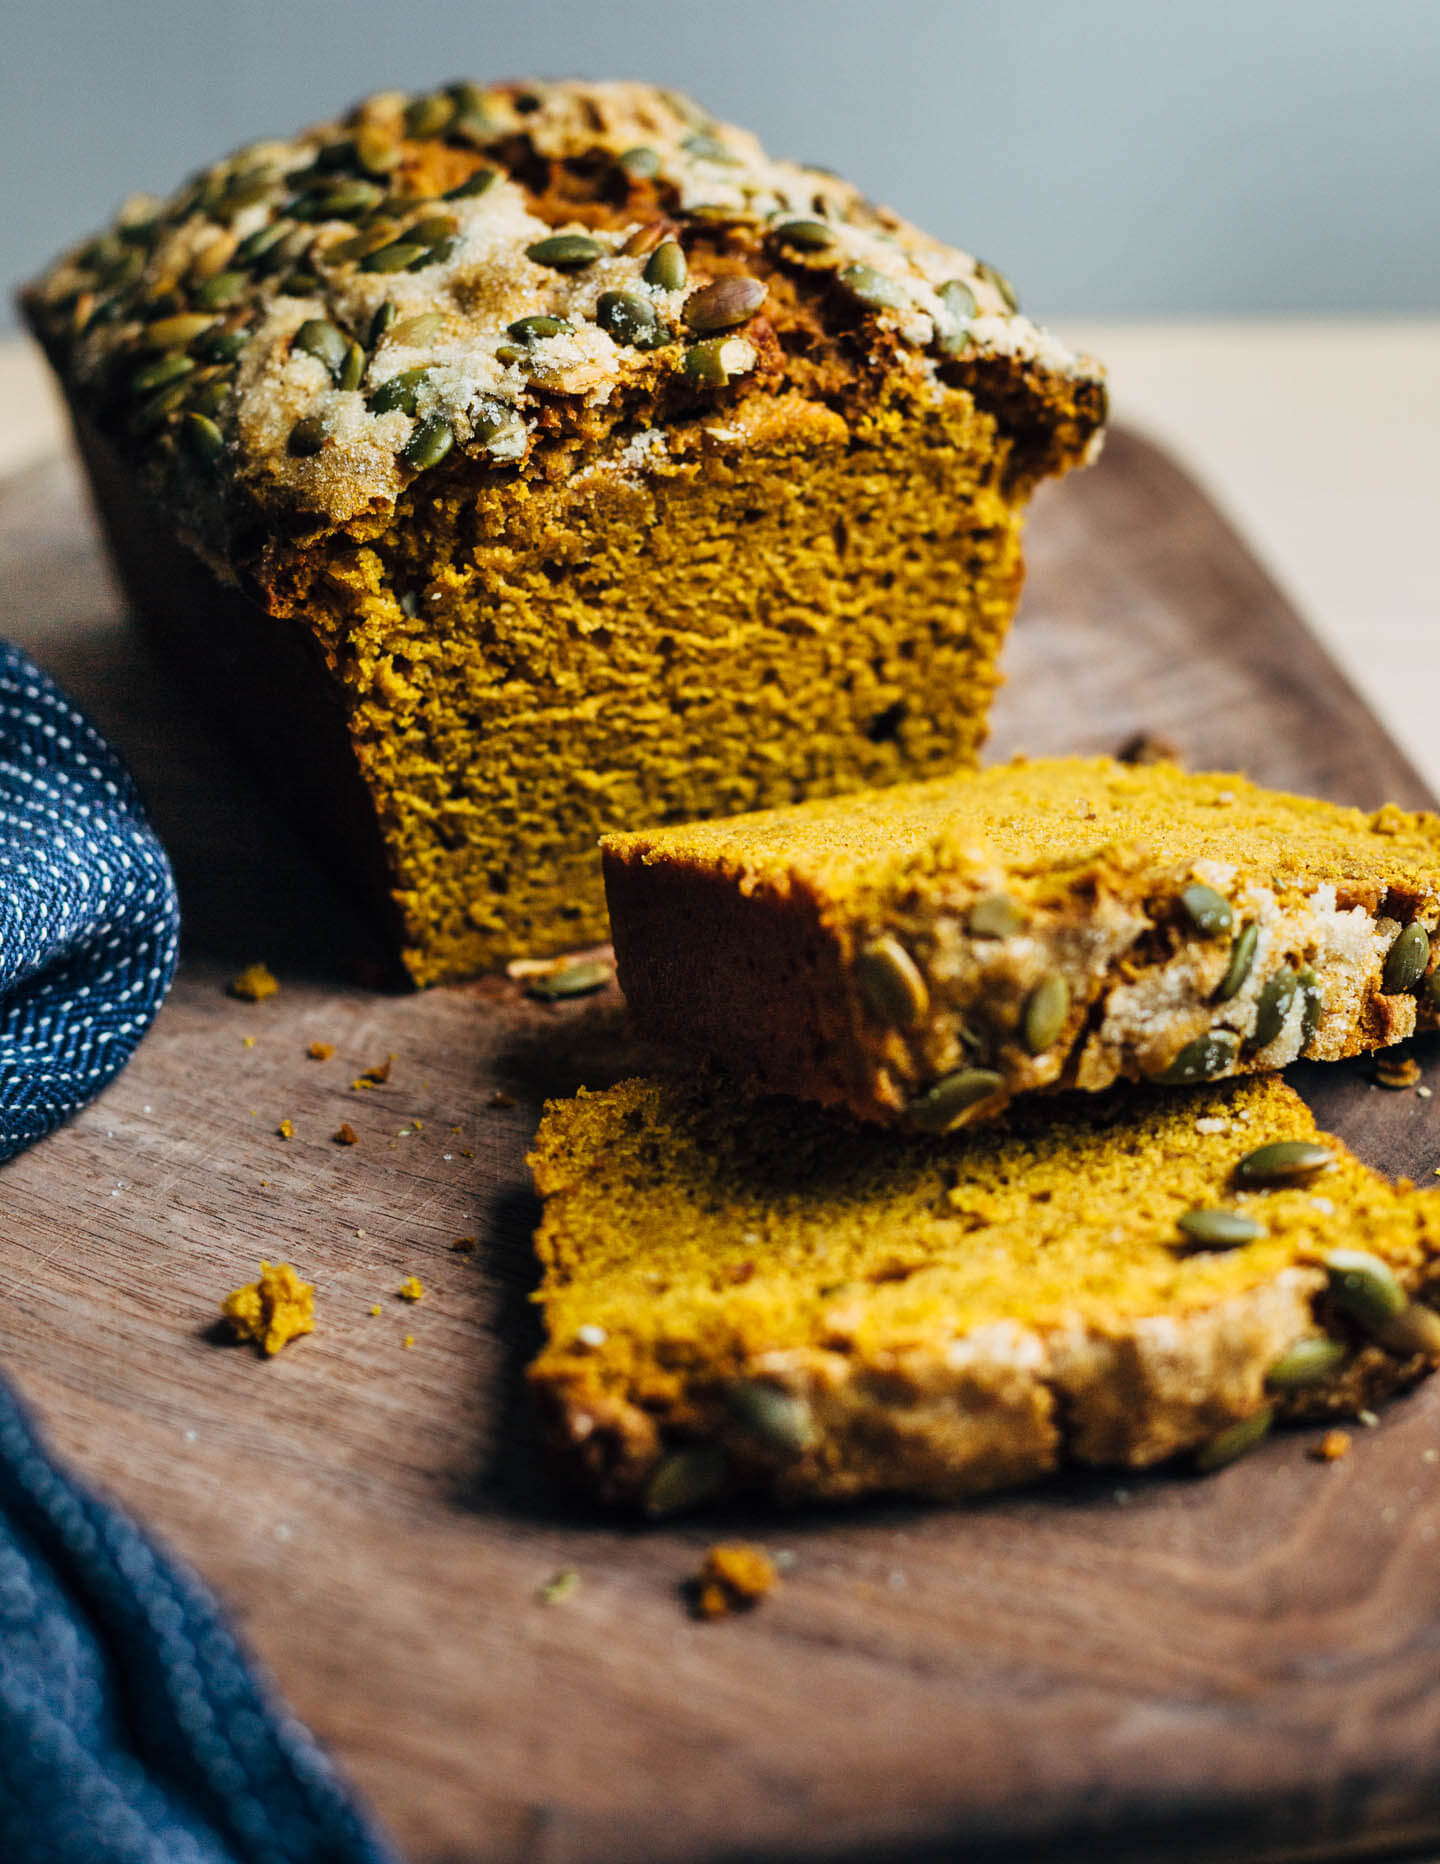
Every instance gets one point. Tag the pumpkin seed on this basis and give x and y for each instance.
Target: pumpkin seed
(994, 915)
(221, 290)
(1273, 1007)
(630, 318)
(1365, 1288)
(490, 416)
(362, 244)
(319, 338)
(202, 439)
(1430, 990)
(1308, 1362)
(347, 201)
(1314, 1005)
(212, 398)
(1283, 1161)
(1200, 1060)
(571, 980)
(176, 332)
(428, 116)
(1230, 1444)
(1000, 282)
(707, 148)
(307, 436)
(352, 371)
(640, 163)
(872, 289)
(945, 1104)
(776, 1418)
(958, 298)
(429, 443)
(535, 329)
(685, 1479)
(382, 321)
(376, 150)
(1415, 1329)
(1047, 1009)
(473, 186)
(1406, 961)
(157, 374)
(161, 405)
(512, 353)
(245, 190)
(1208, 911)
(891, 983)
(666, 266)
(1218, 1229)
(436, 255)
(724, 304)
(477, 127)
(804, 235)
(393, 258)
(1242, 958)
(566, 252)
(302, 284)
(432, 229)
(421, 329)
(718, 360)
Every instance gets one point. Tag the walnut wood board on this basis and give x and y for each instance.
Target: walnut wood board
(1243, 1668)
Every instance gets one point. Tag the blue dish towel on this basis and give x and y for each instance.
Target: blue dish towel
(133, 1728)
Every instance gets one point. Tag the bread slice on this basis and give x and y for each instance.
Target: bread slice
(927, 953)
(755, 1294)
(511, 462)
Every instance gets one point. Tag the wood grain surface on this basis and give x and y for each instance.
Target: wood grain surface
(1243, 1668)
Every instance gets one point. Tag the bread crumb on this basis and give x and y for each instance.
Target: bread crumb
(1148, 747)
(1331, 1447)
(464, 1245)
(347, 1135)
(320, 1051)
(374, 1077)
(559, 1587)
(1368, 1419)
(272, 1311)
(409, 1340)
(1397, 1071)
(248, 1041)
(412, 1289)
(374, 1311)
(734, 1576)
(286, 1129)
(498, 1099)
(255, 983)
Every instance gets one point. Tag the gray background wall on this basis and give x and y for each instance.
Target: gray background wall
(1118, 157)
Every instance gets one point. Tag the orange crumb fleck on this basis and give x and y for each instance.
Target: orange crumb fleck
(374, 1077)
(412, 1289)
(1396, 1071)
(255, 983)
(464, 1245)
(272, 1311)
(375, 1310)
(286, 1129)
(249, 1041)
(733, 1577)
(347, 1135)
(466, 1153)
(320, 1051)
(1331, 1447)
(409, 1340)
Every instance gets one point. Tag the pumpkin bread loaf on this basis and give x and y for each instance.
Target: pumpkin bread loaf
(506, 464)
(757, 1294)
(923, 954)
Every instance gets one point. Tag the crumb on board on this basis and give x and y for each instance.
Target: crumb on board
(1397, 1071)
(734, 1576)
(409, 1340)
(286, 1129)
(1148, 747)
(412, 1289)
(498, 1099)
(320, 1051)
(272, 1311)
(247, 1041)
(375, 1310)
(375, 1076)
(464, 1245)
(560, 1586)
(1331, 1447)
(255, 983)
(347, 1135)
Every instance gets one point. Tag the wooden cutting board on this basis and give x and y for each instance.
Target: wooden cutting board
(1240, 1668)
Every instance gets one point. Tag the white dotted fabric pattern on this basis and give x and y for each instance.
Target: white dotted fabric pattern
(89, 920)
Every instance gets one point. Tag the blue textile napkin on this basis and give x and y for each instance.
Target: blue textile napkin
(133, 1728)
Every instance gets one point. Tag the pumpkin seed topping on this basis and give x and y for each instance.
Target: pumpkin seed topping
(566, 252)
(891, 984)
(1047, 1009)
(1406, 961)
(1415, 1329)
(307, 436)
(1201, 1060)
(221, 290)
(630, 318)
(1218, 1229)
(1308, 1362)
(319, 338)
(429, 444)
(717, 360)
(724, 304)
(211, 399)
(432, 229)
(1274, 1006)
(202, 438)
(872, 289)
(946, 1103)
(352, 370)
(804, 235)
(423, 328)
(1208, 911)
(685, 1479)
(1242, 958)
(570, 980)
(707, 148)
(666, 267)
(1000, 282)
(382, 321)
(360, 245)
(376, 150)
(1365, 1288)
(1228, 1445)
(428, 116)
(994, 915)
(1314, 1008)
(177, 332)
(640, 163)
(1283, 1161)
(534, 329)
(393, 258)
(474, 185)
(776, 1418)
(157, 374)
